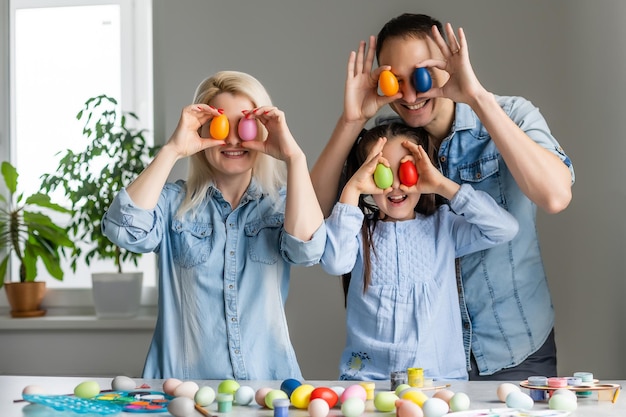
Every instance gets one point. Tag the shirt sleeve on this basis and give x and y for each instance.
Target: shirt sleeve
(343, 227)
(528, 117)
(478, 222)
(130, 227)
(306, 253)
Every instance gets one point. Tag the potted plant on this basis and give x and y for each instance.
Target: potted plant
(115, 153)
(28, 234)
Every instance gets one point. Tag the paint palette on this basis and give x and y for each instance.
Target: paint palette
(106, 403)
(508, 412)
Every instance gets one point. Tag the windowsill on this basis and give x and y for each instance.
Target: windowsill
(78, 320)
(72, 309)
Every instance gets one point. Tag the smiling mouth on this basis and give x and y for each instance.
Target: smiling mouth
(234, 154)
(416, 106)
(397, 198)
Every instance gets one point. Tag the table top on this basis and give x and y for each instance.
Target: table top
(483, 396)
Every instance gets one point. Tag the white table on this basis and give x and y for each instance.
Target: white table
(482, 395)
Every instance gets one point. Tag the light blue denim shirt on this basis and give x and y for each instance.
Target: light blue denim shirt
(505, 300)
(409, 316)
(223, 283)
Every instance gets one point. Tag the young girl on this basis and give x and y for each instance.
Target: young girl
(400, 244)
(225, 238)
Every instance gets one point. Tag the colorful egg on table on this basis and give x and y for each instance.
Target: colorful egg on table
(33, 390)
(204, 396)
(519, 399)
(87, 389)
(318, 407)
(388, 83)
(353, 406)
(186, 389)
(505, 389)
(562, 401)
(400, 388)
(247, 129)
(355, 390)
(385, 401)
(274, 394)
(301, 396)
(245, 395)
(405, 408)
(181, 407)
(407, 173)
(219, 127)
(414, 395)
(228, 386)
(326, 394)
(170, 384)
(435, 407)
(288, 385)
(444, 394)
(123, 383)
(460, 401)
(383, 177)
(260, 394)
(422, 80)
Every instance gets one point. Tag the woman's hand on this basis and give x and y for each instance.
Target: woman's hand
(279, 143)
(191, 136)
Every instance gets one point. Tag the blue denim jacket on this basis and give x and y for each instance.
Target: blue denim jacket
(223, 283)
(505, 300)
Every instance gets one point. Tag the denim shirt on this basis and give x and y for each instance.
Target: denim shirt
(409, 316)
(505, 300)
(223, 283)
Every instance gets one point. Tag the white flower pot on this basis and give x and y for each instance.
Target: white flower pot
(117, 295)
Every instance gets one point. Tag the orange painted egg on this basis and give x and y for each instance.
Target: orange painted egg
(388, 83)
(219, 127)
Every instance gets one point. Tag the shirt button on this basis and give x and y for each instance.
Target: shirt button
(478, 175)
(232, 253)
(231, 286)
(233, 319)
(442, 159)
(232, 225)
(237, 351)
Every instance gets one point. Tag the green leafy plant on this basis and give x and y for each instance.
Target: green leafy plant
(115, 154)
(28, 232)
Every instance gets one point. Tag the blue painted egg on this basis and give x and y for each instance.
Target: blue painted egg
(422, 80)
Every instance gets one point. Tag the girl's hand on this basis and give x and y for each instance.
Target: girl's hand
(280, 143)
(430, 179)
(361, 99)
(186, 139)
(463, 85)
(362, 182)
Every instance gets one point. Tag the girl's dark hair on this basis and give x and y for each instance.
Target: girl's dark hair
(426, 205)
(407, 25)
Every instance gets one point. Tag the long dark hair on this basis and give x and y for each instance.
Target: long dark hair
(426, 205)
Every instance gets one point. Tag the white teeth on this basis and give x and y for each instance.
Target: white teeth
(397, 197)
(233, 153)
(416, 106)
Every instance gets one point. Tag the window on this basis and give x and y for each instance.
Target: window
(61, 54)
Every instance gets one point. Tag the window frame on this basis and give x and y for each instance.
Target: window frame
(137, 95)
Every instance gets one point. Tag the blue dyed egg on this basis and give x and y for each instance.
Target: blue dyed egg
(422, 80)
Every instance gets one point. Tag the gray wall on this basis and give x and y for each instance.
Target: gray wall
(567, 56)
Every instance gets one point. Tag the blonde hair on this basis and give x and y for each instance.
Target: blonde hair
(270, 173)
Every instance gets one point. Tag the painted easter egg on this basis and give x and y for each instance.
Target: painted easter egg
(407, 173)
(383, 177)
(247, 129)
(422, 80)
(460, 401)
(219, 127)
(326, 394)
(87, 389)
(388, 83)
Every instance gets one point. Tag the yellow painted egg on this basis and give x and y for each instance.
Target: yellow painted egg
(219, 127)
(388, 83)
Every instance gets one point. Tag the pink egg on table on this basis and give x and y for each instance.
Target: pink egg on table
(247, 129)
(406, 408)
(444, 394)
(356, 390)
(186, 389)
(260, 394)
(170, 384)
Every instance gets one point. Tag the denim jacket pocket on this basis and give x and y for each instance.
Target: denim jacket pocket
(264, 238)
(484, 175)
(191, 242)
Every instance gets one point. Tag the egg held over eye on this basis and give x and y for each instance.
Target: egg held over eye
(247, 129)
(407, 173)
(422, 80)
(219, 127)
(383, 177)
(388, 83)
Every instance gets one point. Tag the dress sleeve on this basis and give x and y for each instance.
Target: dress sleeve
(343, 228)
(478, 222)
